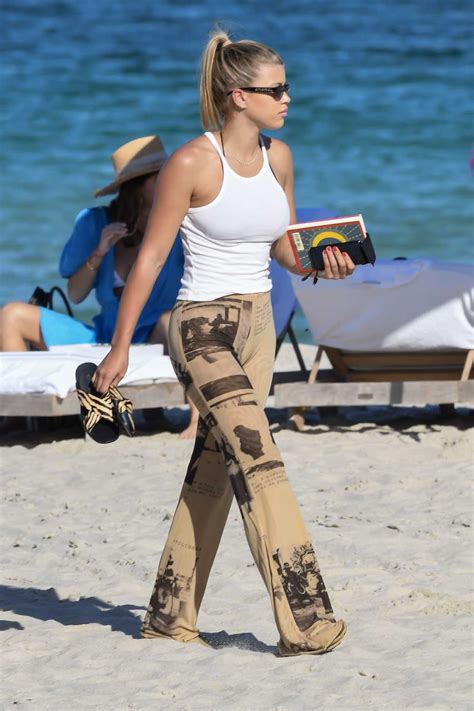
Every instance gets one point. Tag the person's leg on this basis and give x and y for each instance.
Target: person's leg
(274, 527)
(159, 334)
(192, 543)
(20, 324)
(197, 525)
(190, 431)
(208, 339)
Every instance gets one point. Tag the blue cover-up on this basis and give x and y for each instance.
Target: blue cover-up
(60, 329)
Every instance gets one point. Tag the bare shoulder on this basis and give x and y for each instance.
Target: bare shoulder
(194, 168)
(191, 156)
(277, 150)
(280, 159)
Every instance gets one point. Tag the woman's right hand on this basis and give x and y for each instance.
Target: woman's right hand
(110, 235)
(111, 370)
(83, 280)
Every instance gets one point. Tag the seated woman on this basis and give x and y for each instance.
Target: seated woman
(99, 255)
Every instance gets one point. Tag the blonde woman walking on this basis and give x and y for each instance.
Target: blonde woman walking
(230, 192)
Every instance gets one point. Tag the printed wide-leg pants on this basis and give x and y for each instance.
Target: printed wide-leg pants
(223, 353)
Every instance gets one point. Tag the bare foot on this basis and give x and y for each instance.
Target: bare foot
(190, 431)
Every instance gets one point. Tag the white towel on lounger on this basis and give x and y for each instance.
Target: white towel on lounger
(398, 305)
(53, 372)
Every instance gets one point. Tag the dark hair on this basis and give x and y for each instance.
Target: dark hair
(128, 206)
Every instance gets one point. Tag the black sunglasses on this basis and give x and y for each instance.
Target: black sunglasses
(274, 91)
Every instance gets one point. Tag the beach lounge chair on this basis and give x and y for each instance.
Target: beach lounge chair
(42, 384)
(284, 304)
(401, 332)
(284, 301)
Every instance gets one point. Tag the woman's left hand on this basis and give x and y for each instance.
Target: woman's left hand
(337, 264)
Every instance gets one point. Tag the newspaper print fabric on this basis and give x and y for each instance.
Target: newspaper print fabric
(223, 352)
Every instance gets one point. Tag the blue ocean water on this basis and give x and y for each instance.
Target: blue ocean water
(380, 120)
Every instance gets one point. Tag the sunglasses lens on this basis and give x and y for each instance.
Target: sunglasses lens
(280, 90)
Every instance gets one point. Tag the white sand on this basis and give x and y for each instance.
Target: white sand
(388, 507)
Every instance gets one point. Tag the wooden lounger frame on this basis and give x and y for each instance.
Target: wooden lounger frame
(357, 378)
(383, 378)
(166, 394)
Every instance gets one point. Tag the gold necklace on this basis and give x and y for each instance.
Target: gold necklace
(241, 162)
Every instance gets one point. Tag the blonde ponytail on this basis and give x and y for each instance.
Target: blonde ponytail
(226, 65)
(210, 114)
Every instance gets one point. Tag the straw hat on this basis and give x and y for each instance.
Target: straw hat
(135, 158)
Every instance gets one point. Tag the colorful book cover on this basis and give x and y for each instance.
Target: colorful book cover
(320, 233)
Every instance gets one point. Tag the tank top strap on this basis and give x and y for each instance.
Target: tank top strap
(216, 145)
(265, 154)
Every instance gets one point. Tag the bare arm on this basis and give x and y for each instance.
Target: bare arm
(80, 284)
(172, 198)
(173, 193)
(337, 264)
(282, 164)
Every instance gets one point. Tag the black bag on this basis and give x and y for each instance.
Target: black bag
(40, 297)
(360, 251)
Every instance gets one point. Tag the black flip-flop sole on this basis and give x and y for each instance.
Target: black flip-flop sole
(105, 431)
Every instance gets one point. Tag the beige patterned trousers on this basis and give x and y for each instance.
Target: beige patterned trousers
(223, 353)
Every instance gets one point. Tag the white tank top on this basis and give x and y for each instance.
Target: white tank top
(227, 242)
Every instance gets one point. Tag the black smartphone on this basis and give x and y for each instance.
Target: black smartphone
(360, 251)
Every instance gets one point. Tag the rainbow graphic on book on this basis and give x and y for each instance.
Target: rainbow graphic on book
(320, 233)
